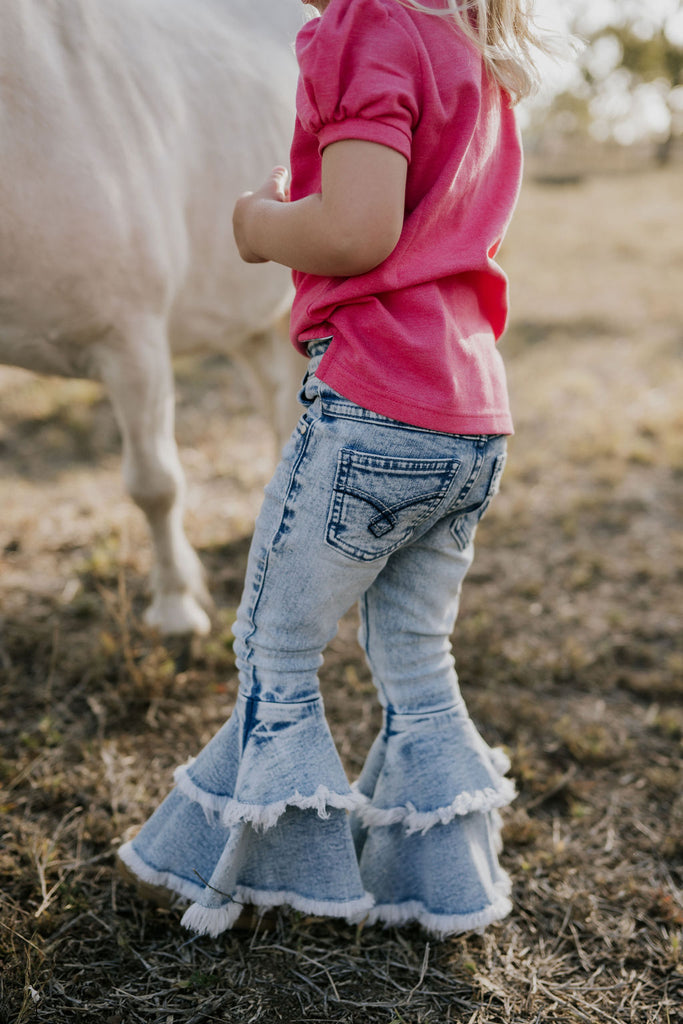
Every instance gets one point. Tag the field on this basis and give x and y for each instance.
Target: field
(568, 648)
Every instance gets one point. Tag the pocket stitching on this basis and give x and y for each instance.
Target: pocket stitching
(347, 460)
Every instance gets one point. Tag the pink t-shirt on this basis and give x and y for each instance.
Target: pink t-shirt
(415, 338)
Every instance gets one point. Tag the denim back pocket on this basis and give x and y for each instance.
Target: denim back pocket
(378, 501)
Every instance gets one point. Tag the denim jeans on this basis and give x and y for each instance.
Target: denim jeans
(360, 509)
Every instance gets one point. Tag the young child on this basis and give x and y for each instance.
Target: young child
(405, 169)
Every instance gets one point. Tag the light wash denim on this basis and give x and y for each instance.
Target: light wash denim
(360, 509)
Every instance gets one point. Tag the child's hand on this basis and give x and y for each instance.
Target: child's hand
(274, 189)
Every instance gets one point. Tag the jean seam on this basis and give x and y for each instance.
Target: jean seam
(261, 700)
(253, 608)
(461, 538)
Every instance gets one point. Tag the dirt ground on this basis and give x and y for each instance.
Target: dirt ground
(568, 648)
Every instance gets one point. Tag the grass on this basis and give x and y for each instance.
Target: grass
(568, 648)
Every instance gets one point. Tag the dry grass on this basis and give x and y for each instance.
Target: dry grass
(568, 649)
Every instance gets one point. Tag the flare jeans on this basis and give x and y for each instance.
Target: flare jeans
(361, 509)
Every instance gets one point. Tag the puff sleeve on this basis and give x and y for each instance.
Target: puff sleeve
(359, 76)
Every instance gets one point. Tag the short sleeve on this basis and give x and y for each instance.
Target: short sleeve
(359, 75)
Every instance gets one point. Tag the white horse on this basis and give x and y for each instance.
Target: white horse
(127, 130)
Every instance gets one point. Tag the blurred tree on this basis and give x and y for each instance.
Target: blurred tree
(628, 84)
(649, 68)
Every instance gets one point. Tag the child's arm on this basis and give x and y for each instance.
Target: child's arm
(348, 228)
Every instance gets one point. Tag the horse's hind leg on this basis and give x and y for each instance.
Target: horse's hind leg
(135, 367)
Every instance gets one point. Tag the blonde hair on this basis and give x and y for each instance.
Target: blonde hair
(505, 34)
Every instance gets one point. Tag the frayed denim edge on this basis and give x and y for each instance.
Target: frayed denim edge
(499, 759)
(484, 800)
(443, 925)
(232, 812)
(214, 920)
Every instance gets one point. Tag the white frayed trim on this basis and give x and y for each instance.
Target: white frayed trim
(205, 921)
(231, 811)
(421, 821)
(439, 925)
(213, 921)
(182, 886)
(317, 908)
(497, 826)
(499, 759)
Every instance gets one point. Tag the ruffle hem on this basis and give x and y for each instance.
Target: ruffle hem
(262, 817)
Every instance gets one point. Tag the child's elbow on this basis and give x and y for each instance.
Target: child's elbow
(362, 247)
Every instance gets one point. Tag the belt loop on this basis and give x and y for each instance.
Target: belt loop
(316, 349)
(318, 346)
